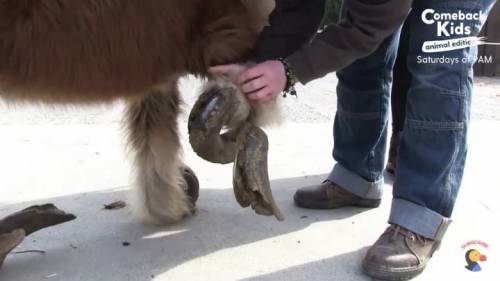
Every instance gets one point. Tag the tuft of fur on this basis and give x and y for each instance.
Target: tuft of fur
(153, 137)
(268, 114)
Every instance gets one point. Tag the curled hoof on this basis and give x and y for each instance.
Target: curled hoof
(192, 188)
(218, 108)
(250, 178)
(223, 107)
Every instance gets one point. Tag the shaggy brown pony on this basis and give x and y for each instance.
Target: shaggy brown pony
(90, 51)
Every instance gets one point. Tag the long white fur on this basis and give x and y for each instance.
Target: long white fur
(153, 136)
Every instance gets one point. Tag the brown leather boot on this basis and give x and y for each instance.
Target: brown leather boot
(400, 254)
(328, 195)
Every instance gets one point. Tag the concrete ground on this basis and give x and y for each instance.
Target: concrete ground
(76, 159)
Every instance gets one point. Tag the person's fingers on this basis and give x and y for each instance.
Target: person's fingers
(249, 74)
(254, 85)
(260, 95)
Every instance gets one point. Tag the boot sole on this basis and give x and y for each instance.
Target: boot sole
(401, 274)
(361, 203)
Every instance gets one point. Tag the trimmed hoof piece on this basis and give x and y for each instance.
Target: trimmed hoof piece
(15, 227)
(10, 241)
(251, 179)
(35, 218)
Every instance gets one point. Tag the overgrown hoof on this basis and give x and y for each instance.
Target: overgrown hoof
(192, 188)
(250, 177)
(222, 130)
(219, 107)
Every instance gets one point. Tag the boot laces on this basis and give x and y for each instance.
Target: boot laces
(398, 230)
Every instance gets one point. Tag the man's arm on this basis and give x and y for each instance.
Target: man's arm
(364, 26)
(292, 24)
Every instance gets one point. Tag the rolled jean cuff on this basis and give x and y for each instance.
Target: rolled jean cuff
(356, 184)
(417, 219)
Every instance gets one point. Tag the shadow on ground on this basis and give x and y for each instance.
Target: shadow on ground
(94, 242)
(325, 269)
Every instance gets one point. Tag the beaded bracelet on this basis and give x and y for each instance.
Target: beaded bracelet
(291, 79)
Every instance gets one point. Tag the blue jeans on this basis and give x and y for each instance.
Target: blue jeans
(432, 154)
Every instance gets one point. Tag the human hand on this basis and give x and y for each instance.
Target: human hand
(263, 82)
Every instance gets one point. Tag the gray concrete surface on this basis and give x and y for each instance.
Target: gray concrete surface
(76, 159)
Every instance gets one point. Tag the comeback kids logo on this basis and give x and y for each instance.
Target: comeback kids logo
(474, 255)
(452, 24)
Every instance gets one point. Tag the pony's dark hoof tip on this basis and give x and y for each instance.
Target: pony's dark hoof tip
(192, 184)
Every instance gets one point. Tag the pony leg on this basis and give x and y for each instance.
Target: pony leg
(163, 184)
